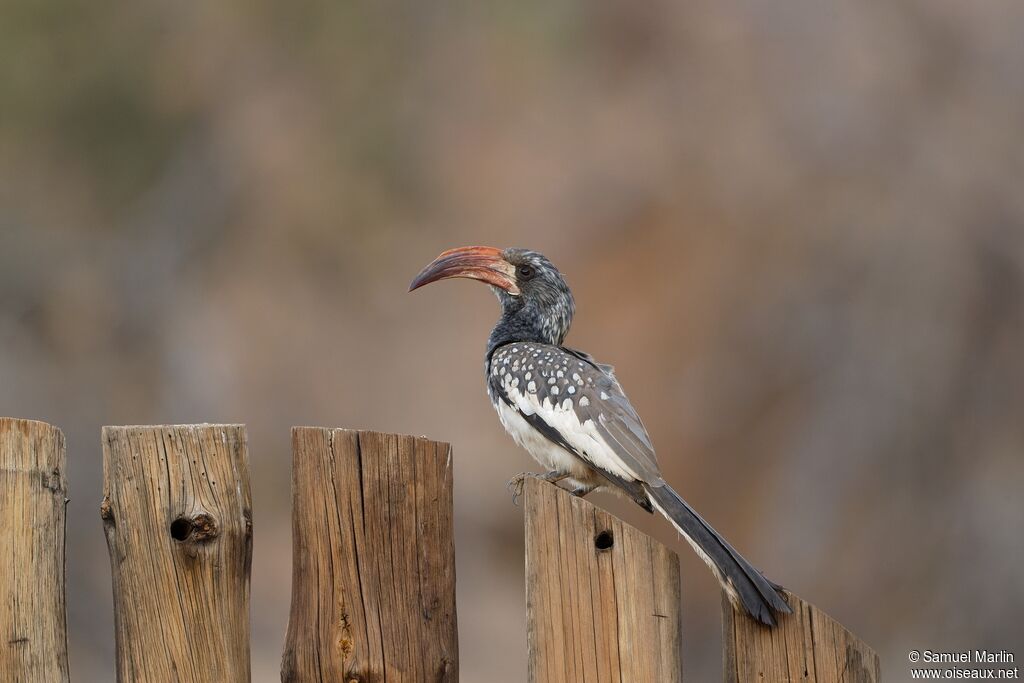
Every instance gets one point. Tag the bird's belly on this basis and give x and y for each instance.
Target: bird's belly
(549, 455)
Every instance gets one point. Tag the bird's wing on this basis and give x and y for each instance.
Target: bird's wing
(587, 358)
(585, 405)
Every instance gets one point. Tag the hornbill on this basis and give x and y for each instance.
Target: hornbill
(571, 414)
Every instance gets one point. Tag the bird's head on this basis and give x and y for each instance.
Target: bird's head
(535, 301)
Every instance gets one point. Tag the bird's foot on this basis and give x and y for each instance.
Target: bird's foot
(516, 483)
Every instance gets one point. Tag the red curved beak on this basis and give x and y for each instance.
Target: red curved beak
(478, 263)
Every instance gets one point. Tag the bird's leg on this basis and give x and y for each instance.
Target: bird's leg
(515, 484)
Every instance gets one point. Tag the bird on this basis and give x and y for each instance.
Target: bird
(571, 414)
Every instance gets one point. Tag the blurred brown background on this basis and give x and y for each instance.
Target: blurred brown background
(796, 230)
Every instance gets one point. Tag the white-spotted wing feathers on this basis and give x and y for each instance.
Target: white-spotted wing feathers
(578, 406)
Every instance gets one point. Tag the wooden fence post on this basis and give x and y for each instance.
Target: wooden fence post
(807, 646)
(373, 578)
(602, 597)
(33, 489)
(177, 515)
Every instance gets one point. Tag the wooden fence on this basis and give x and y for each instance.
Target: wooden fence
(373, 588)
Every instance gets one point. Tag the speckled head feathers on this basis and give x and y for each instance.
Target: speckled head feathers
(543, 309)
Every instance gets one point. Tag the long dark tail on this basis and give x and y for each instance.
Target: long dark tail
(745, 586)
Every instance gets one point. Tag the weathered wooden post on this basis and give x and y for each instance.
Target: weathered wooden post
(807, 646)
(177, 516)
(33, 489)
(602, 597)
(373, 578)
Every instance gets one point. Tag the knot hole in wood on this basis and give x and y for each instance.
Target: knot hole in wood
(199, 528)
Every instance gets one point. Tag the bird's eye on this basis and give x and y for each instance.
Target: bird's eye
(526, 271)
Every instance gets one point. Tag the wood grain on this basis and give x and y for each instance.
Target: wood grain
(177, 515)
(603, 598)
(807, 646)
(373, 579)
(33, 490)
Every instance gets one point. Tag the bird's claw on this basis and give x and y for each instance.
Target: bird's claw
(516, 484)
